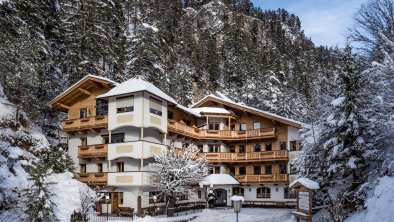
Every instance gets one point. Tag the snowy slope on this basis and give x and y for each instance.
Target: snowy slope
(21, 143)
(379, 207)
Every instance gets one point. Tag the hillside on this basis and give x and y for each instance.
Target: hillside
(21, 145)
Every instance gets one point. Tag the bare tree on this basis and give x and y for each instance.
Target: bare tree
(176, 172)
(373, 20)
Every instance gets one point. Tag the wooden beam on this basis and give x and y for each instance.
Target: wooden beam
(63, 106)
(85, 91)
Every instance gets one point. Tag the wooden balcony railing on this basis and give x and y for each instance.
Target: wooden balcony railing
(268, 178)
(247, 157)
(197, 133)
(94, 178)
(92, 122)
(93, 151)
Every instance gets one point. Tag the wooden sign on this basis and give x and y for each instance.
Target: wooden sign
(303, 201)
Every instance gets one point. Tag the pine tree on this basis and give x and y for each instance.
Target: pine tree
(38, 204)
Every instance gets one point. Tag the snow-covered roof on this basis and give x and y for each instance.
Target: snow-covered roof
(137, 85)
(247, 107)
(82, 80)
(191, 111)
(310, 184)
(219, 179)
(215, 110)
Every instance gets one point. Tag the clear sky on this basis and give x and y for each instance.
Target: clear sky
(325, 21)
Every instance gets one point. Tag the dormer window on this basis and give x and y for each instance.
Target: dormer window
(213, 126)
(125, 104)
(155, 106)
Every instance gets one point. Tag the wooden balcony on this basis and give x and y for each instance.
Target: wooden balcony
(97, 151)
(92, 122)
(268, 178)
(94, 178)
(276, 155)
(196, 133)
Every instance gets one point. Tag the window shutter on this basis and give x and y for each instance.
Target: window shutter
(125, 102)
(155, 104)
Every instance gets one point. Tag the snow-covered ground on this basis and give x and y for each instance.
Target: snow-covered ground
(246, 215)
(379, 205)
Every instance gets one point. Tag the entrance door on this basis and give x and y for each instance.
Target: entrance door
(221, 197)
(115, 202)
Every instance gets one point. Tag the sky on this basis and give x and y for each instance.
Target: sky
(325, 21)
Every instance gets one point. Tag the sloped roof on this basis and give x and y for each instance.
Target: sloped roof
(215, 110)
(310, 184)
(219, 179)
(137, 85)
(81, 82)
(233, 104)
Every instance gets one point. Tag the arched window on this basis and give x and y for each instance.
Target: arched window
(263, 192)
(289, 194)
(238, 191)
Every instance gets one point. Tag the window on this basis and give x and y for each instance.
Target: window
(125, 104)
(256, 147)
(263, 192)
(170, 115)
(213, 126)
(268, 147)
(217, 170)
(239, 191)
(83, 113)
(282, 169)
(232, 171)
(293, 145)
(159, 198)
(283, 145)
(121, 197)
(100, 167)
(119, 166)
(242, 148)
(242, 126)
(201, 148)
(199, 194)
(256, 125)
(232, 149)
(183, 197)
(214, 148)
(82, 168)
(288, 194)
(155, 106)
(293, 169)
(84, 141)
(101, 107)
(257, 170)
(187, 122)
(268, 169)
(242, 170)
(115, 138)
(232, 127)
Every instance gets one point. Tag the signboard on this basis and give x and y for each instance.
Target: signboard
(303, 200)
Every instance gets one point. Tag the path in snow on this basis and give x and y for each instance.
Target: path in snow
(246, 215)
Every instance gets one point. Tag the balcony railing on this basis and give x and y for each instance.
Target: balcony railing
(197, 133)
(93, 151)
(267, 178)
(247, 157)
(93, 178)
(92, 122)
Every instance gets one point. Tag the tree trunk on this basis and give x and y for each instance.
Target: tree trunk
(171, 206)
